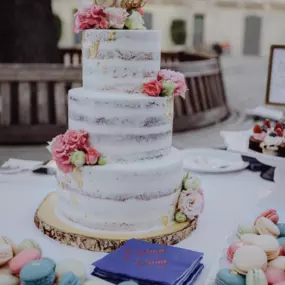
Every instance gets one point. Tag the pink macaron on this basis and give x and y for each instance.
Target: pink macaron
(232, 249)
(25, 256)
(270, 215)
(274, 275)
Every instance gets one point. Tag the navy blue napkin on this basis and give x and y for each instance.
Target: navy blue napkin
(148, 263)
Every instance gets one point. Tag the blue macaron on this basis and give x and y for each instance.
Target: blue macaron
(68, 278)
(227, 277)
(38, 272)
(281, 241)
(128, 283)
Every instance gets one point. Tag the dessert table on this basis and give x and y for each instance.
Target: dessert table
(228, 198)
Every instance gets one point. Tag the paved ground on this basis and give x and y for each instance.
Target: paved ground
(245, 80)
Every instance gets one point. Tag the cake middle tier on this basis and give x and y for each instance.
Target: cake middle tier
(124, 128)
(115, 197)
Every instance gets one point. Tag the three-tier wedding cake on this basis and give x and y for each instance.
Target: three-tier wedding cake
(117, 169)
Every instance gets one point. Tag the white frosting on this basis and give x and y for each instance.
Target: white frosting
(122, 197)
(272, 143)
(123, 127)
(121, 60)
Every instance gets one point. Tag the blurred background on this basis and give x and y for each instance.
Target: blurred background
(222, 47)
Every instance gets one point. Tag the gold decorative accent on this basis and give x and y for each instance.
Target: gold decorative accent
(169, 108)
(111, 36)
(61, 184)
(165, 221)
(105, 3)
(132, 4)
(233, 272)
(78, 177)
(93, 49)
(74, 200)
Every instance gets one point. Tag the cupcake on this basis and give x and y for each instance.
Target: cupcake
(259, 134)
(272, 142)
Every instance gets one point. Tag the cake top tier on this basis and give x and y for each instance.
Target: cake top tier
(121, 60)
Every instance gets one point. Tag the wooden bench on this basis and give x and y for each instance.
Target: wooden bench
(33, 101)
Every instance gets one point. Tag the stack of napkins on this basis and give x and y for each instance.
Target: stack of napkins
(147, 263)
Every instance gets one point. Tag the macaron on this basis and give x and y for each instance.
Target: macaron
(270, 215)
(280, 283)
(68, 278)
(6, 253)
(249, 257)
(5, 270)
(28, 243)
(38, 272)
(6, 240)
(278, 262)
(245, 230)
(256, 277)
(248, 238)
(228, 277)
(281, 228)
(6, 279)
(265, 226)
(269, 244)
(128, 283)
(71, 265)
(24, 257)
(232, 249)
(51, 261)
(274, 275)
(281, 241)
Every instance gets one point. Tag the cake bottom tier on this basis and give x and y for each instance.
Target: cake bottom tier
(122, 197)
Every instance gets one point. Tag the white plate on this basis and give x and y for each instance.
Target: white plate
(212, 161)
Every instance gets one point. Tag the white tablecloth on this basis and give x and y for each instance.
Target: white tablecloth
(228, 197)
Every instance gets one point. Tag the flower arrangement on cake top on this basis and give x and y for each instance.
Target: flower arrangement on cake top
(191, 201)
(168, 83)
(99, 17)
(73, 149)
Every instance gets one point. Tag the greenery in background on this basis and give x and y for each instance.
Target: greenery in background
(58, 24)
(178, 31)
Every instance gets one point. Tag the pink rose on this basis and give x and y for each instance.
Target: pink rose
(64, 164)
(96, 10)
(141, 11)
(92, 156)
(61, 154)
(152, 88)
(177, 78)
(116, 17)
(81, 22)
(76, 140)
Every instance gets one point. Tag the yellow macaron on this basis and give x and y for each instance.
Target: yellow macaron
(265, 226)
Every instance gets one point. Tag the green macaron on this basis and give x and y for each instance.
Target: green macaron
(227, 277)
(28, 243)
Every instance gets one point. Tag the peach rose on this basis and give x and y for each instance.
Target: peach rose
(116, 17)
(92, 156)
(152, 88)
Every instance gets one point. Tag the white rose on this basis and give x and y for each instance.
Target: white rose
(192, 183)
(116, 17)
(135, 21)
(50, 144)
(190, 204)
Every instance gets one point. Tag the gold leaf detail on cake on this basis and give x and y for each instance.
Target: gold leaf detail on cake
(83, 37)
(93, 49)
(169, 108)
(78, 177)
(61, 184)
(165, 221)
(132, 4)
(111, 36)
(74, 200)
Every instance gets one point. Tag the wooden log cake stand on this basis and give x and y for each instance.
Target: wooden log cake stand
(47, 222)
